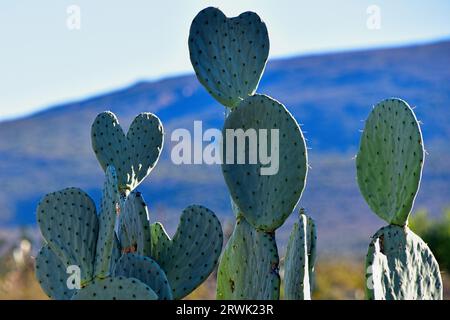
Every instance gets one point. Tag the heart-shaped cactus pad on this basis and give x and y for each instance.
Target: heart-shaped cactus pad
(192, 254)
(228, 54)
(133, 155)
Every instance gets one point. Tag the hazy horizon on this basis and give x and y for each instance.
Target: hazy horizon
(87, 96)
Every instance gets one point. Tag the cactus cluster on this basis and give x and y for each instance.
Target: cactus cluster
(229, 56)
(119, 252)
(389, 169)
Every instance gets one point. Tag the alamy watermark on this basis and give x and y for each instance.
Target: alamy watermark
(74, 279)
(239, 146)
(73, 20)
(373, 21)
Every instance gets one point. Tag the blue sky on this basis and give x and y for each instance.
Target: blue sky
(43, 63)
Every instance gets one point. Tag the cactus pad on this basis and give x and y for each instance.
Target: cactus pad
(190, 257)
(119, 288)
(248, 268)
(390, 159)
(400, 266)
(300, 259)
(228, 54)
(266, 200)
(104, 261)
(312, 247)
(52, 276)
(134, 226)
(68, 222)
(133, 155)
(145, 270)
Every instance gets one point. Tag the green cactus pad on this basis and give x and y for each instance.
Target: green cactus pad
(228, 54)
(192, 254)
(266, 200)
(300, 259)
(145, 270)
(104, 261)
(133, 155)
(390, 159)
(119, 288)
(312, 242)
(134, 226)
(248, 268)
(68, 222)
(400, 266)
(52, 276)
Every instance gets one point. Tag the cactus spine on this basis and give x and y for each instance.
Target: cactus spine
(389, 169)
(124, 257)
(229, 56)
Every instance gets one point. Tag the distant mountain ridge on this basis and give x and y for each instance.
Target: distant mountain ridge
(328, 94)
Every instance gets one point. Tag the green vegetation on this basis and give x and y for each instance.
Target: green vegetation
(436, 233)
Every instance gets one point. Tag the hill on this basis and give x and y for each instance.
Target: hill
(328, 94)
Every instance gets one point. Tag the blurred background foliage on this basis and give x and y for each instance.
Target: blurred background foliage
(436, 233)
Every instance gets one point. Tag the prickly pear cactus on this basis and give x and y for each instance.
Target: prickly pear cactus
(134, 226)
(52, 276)
(145, 270)
(228, 54)
(390, 159)
(133, 155)
(265, 170)
(69, 224)
(265, 194)
(107, 252)
(190, 257)
(248, 268)
(76, 236)
(300, 259)
(389, 168)
(400, 266)
(119, 288)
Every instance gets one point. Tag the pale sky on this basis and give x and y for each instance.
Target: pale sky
(43, 63)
